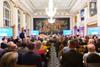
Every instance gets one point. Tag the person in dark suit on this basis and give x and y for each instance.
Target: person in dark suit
(72, 58)
(97, 45)
(30, 58)
(93, 58)
(91, 50)
(4, 43)
(22, 34)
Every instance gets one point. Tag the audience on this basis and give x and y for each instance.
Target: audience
(36, 50)
(30, 58)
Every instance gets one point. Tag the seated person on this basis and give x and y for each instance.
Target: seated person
(23, 48)
(91, 50)
(30, 58)
(93, 58)
(9, 59)
(72, 58)
(4, 43)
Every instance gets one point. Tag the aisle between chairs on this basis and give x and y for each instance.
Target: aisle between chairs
(54, 62)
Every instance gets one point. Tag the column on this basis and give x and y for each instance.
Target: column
(79, 20)
(31, 23)
(1, 13)
(23, 20)
(72, 23)
(98, 12)
(15, 20)
(28, 29)
(86, 15)
(28, 24)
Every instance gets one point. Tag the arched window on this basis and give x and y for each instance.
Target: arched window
(19, 21)
(6, 14)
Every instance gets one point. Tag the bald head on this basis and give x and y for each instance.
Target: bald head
(91, 47)
(12, 46)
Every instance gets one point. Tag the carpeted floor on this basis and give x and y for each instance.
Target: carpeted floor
(54, 62)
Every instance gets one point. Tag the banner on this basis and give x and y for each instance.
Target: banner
(67, 32)
(35, 32)
(94, 31)
(6, 32)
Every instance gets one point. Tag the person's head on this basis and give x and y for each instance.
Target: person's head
(91, 48)
(91, 41)
(38, 44)
(31, 46)
(9, 39)
(72, 43)
(65, 43)
(12, 46)
(86, 38)
(4, 39)
(94, 37)
(44, 42)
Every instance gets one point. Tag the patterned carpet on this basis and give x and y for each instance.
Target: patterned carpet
(54, 62)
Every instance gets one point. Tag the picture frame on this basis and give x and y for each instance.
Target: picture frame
(93, 8)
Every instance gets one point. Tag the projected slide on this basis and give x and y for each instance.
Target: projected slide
(6, 32)
(67, 32)
(94, 31)
(35, 32)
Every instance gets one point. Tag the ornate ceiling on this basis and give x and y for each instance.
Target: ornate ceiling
(64, 7)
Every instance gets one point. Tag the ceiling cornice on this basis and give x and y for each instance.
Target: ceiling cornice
(80, 4)
(24, 5)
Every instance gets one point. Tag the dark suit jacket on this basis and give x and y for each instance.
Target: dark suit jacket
(93, 58)
(3, 45)
(72, 59)
(30, 58)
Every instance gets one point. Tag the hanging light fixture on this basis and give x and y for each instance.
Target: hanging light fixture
(51, 11)
(51, 20)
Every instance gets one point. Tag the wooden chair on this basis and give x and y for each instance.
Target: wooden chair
(25, 65)
(92, 64)
(98, 49)
(93, 60)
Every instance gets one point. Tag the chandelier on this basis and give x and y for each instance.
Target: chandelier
(51, 11)
(51, 20)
